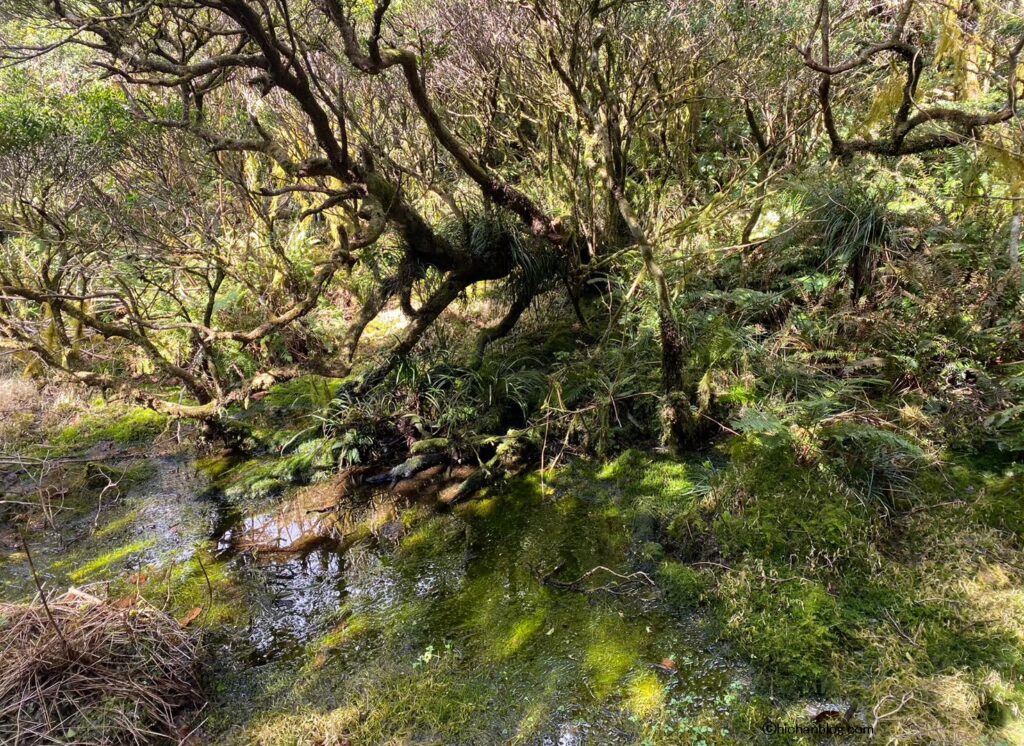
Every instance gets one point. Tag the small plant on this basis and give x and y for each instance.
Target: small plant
(858, 229)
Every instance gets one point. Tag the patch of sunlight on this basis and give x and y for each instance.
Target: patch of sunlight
(610, 655)
(998, 599)
(645, 695)
(484, 507)
(912, 415)
(623, 467)
(1012, 733)
(613, 512)
(531, 722)
(117, 525)
(954, 696)
(210, 586)
(104, 561)
(132, 426)
(307, 727)
(523, 631)
(663, 484)
(346, 630)
(417, 541)
(387, 322)
(430, 538)
(380, 515)
(769, 222)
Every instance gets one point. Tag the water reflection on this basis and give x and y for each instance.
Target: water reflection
(293, 597)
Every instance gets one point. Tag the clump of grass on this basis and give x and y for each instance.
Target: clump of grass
(28, 408)
(78, 668)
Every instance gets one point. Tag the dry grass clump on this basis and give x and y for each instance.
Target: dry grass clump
(17, 394)
(80, 669)
(28, 407)
(18, 400)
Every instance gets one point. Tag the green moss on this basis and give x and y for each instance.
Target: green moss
(495, 623)
(268, 476)
(612, 651)
(1001, 503)
(470, 643)
(684, 587)
(117, 526)
(431, 538)
(348, 630)
(302, 394)
(205, 582)
(114, 558)
(659, 486)
(137, 473)
(255, 479)
(776, 507)
(265, 487)
(129, 428)
(215, 466)
(788, 627)
(651, 552)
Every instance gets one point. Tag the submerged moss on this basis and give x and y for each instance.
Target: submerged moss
(103, 564)
(204, 582)
(469, 633)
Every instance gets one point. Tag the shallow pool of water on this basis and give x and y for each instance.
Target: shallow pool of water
(524, 616)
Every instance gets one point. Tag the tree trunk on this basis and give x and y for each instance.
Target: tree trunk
(1015, 226)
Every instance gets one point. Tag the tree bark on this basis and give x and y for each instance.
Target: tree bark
(1015, 227)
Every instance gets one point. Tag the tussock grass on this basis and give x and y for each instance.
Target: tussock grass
(80, 669)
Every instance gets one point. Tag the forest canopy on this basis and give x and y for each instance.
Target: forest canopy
(239, 188)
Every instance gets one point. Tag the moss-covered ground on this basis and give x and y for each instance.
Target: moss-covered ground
(641, 599)
(462, 632)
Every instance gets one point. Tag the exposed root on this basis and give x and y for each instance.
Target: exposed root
(622, 585)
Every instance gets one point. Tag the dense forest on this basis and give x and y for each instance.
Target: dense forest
(511, 371)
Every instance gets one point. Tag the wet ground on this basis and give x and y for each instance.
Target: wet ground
(157, 516)
(355, 615)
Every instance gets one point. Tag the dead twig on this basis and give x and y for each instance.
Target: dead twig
(42, 593)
